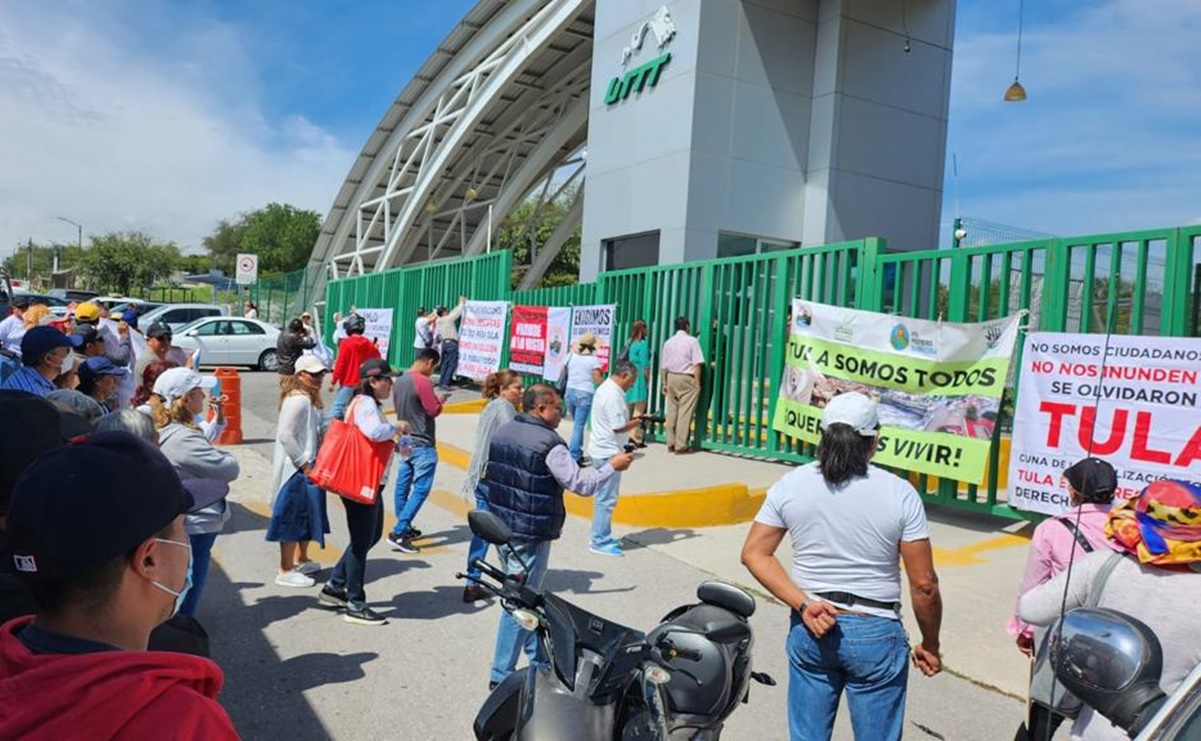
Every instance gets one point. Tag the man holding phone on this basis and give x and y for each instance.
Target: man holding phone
(610, 433)
(415, 402)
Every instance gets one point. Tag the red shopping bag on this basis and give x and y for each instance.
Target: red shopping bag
(350, 465)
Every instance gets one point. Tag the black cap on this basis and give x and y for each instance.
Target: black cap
(87, 332)
(1093, 479)
(159, 330)
(374, 368)
(30, 426)
(82, 505)
(21, 302)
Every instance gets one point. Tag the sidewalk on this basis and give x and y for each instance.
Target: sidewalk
(666, 500)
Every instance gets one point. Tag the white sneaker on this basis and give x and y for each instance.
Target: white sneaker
(308, 568)
(293, 579)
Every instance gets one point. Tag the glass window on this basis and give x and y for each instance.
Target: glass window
(210, 328)
(734, 245)
(634, 251)
(243, 328)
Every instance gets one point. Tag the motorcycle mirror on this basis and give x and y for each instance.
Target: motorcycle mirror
(488, 526)
(1112, 662)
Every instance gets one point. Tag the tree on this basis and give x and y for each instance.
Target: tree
(196, 264)
(522, 234)
(121, 261)
(281, 235)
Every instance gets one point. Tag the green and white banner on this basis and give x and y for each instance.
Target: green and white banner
(938, 384)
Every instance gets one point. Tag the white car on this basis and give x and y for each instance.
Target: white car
(178, 316)
(231, 341)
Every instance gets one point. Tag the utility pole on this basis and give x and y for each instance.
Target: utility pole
(29, 262)
(78, 238)
(959, 233)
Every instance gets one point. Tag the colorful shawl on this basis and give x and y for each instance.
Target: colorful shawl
(1162, 525)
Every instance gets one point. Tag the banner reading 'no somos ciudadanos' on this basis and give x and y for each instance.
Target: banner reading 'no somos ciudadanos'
(938, 384)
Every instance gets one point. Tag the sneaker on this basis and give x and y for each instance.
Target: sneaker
(293, 579)
(405, 545)
(607, 549)
(332, 596)
(395, 539)
(308, 568)
(363, 616)
(474, 593)
(412, 533)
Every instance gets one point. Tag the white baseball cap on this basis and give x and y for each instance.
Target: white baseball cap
(175, 383)
(310, 364)
(853, 409)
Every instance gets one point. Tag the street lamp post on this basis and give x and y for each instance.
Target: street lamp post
(79, 238)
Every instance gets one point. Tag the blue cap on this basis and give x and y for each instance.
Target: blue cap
(41, 340)
(100, 366)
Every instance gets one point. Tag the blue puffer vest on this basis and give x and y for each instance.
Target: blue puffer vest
(519, 487)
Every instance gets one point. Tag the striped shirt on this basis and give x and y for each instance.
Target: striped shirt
(28, 379)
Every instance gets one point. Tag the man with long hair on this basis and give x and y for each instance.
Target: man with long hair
(851, 523)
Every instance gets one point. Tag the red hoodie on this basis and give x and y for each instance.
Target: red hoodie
(111, 694)
(352, 352)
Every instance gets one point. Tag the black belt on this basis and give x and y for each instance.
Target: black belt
(454, 341)
(850, 600)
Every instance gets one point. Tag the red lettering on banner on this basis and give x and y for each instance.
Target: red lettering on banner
(1142, 432)
(1057, 411)
(1192, 451)
(1117, 431)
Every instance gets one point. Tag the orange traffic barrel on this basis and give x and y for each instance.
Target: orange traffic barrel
(231, 389)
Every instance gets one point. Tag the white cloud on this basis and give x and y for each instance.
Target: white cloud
(96, 127)
(1106, 140)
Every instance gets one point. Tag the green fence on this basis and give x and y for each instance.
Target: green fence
(1138, 282)
(405, 290)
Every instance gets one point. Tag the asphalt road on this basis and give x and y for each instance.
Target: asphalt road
(294, 670)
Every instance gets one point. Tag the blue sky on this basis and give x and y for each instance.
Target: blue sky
(167, 115)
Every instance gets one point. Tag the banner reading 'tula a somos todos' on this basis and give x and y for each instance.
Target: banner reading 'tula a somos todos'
(938, 384)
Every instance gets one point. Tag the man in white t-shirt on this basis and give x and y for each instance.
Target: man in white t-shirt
(848, 521)
(610, 433)
(423, 329)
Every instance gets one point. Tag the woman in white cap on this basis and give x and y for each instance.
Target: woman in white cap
(179, 397)
(299, 515)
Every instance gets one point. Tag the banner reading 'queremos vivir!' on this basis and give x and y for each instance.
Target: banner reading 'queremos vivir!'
(938, 384)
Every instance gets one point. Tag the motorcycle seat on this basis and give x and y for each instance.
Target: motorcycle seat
(715, 623)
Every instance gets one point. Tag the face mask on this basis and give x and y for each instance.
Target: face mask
(182, 594)
(66, 364)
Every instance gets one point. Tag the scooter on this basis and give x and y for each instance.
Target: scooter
(604, 681)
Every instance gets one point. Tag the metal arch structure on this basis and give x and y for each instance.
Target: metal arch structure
(499, 111)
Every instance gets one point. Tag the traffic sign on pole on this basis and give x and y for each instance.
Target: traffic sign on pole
(246, 272)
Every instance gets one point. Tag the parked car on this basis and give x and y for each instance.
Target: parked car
(75, 295)
(112, 302)
(231, 341)
(58, 306)
(178, 316)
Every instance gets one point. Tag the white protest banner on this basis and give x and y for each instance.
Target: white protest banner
(379, 327)
(481, 338)
(558, 333)
(1130, 400)
(599, 321)
(938, 384)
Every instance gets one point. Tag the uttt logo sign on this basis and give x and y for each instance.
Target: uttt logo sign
(646, 75)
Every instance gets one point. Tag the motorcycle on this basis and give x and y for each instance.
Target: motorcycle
(602, 680)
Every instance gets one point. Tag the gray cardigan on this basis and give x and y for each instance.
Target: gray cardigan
(194, 457)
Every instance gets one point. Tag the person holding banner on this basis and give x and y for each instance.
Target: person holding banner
(446, 336)
(850, 524)
(424, 331)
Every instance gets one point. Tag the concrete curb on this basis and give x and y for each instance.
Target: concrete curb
(721, 504)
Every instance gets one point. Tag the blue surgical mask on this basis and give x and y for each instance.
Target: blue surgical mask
(182, 594)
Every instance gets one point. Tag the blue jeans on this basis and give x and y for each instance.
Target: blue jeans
(603, 503)
(479, 546)
(579, 406)
(366, 524)
(414, 479)
(868, 657)
(341, 401)
(449, 364)
(202, 556)
(510, 637)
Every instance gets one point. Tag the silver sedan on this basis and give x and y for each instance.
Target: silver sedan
(230, 341)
